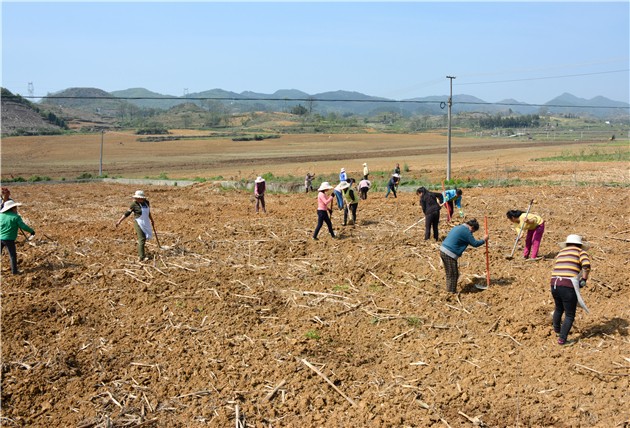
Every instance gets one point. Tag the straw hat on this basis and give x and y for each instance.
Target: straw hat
(324, 186)
(576, 240)
(139, 195)
(365, 164)
(343, 185)
(396, 175)
(259, 179)
(343, 170)
(9, 204)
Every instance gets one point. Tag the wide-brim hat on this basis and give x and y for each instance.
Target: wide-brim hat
(343, 170)
(365, 164)
(343, 185)
(324, 186)
(139, 195)
(8, 205)
(396, 175)
(575, 240)
(259, 179)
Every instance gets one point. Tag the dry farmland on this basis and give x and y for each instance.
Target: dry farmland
(243, 316)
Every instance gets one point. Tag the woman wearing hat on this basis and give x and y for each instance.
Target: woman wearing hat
(366, 171)
(259, 194)
(323, 200)
(351, 201)
(342, 175)
(535, 227)
(143, 223)
(393, 184)
(571, 269)
(10, 222)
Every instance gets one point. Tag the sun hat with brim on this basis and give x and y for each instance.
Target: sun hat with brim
(139, 195)
(8, 205)
(575, 240)
(343, 185)
(259, 179)
(324, 186)
(396, 175)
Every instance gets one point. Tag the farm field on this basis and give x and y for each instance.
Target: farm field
(124, 155)
(243, 316)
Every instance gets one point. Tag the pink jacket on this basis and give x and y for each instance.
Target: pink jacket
(323, 201)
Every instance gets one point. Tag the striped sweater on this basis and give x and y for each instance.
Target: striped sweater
(570, 261)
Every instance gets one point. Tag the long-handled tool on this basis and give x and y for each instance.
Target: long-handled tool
(485, 220)
(449, 214)
(418, 222)
(158, 239)
(520, 231)
(480, 286)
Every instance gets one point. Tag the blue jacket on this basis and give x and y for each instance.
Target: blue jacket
(459, 238)
(451, 195)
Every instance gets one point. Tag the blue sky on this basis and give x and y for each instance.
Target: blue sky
(528, 51)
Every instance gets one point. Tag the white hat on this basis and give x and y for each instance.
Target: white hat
(365, 164)
(139, 194)
(576, 240)
(259, 179)
(324, 186)
(9, 204)
(396, 175)
(343, 185)
(343, 170)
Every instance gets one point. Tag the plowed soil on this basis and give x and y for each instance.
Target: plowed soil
(242, 316)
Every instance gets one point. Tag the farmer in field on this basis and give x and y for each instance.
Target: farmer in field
(143, 221)
(571, 269)
(323, 209)
(430, 203)
(392, 185)
(364, 186)
(6, 196)
(259, 194)
(350, 201)
(535, 227)
(342, 175)
(366, 171)
(397, 169)
(10, 222)
(454, 245)
(453, 198)
(308, 182)
(338, 195)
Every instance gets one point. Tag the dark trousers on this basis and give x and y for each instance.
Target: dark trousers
(141, 240)
(353, 211)
(566, 302)
(260, 202)
(431, 223)
(452, 272)
(363, 192)
(322, 217)
(391, 189)
(12, 254)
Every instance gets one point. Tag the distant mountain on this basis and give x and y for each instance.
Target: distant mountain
(340, 102)
(21, 117)
(149, 99)
(92, 100)
(598, 106)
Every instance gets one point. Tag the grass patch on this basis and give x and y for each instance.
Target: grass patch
(593, 155)
(313, 335)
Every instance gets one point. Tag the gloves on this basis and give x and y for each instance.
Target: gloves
(461, 213)
(582, 283)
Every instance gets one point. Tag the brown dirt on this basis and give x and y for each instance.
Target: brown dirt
(239, 303)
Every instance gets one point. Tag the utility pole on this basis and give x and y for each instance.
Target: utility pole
(100, 166)
(448, 149)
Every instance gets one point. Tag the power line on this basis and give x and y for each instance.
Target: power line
(542, 78)
(334, 100)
